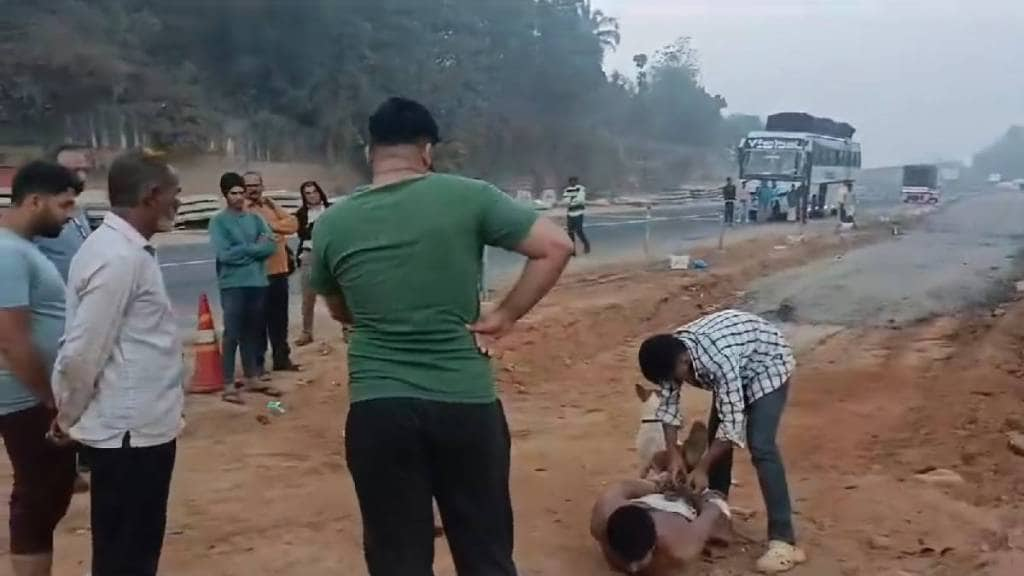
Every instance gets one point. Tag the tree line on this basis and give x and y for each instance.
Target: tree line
(518, 85)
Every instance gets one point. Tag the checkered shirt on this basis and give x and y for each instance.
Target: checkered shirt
(737, 356)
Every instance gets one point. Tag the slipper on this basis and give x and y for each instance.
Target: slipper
(232, 397)
(265, 390)
(780, 557)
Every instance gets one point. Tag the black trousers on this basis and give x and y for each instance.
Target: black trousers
(730, 211)
(129, 507)
(276, 312)
(404, 453)
(574, 224)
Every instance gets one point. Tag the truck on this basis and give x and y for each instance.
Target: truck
(921, 184)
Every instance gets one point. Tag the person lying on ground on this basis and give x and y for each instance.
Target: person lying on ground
(642, 531)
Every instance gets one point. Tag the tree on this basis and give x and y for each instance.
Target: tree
(1004, 156)
(518, 86)
(605, 28)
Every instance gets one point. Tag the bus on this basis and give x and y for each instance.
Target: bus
(799, 149)
(921, 184)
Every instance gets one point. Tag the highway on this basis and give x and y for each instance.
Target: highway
(189, 268)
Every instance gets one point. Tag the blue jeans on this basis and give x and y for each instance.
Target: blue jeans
(243, 330)
(763, 417)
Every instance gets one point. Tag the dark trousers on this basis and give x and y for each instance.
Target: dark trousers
(574, 224)
(276, 323)
(763, 417)
(129, 507)
(243, 328)
(404, 453)
(730, 211)
(44, 476)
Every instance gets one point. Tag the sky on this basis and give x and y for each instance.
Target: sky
(921, 80)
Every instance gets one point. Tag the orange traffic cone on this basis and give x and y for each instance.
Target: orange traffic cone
(209, 373)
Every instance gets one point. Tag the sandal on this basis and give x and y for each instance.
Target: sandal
(266, 390)
(233, 396)
(780, 557)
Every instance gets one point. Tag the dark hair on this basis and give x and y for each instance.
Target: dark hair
(319, 190)
(229, 180)
(133, 174)
(402, 121)
(55, 152)
(658, 356)
(631, 533)
(41, 177)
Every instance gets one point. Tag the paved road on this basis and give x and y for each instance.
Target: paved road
(189, 268)
(965, 255)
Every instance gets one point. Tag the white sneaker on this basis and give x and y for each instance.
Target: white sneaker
(780, 557)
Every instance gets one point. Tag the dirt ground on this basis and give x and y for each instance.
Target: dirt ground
(870, 408)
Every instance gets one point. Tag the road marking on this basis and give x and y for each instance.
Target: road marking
(187, 263)
(702, 217)
(654, 219)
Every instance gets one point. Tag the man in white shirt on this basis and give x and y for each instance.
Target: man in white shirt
(118, 379)
(576, 196)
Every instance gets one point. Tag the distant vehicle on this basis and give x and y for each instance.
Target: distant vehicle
(6, 176)
(921, 184)
(797, 149)
(995, 178)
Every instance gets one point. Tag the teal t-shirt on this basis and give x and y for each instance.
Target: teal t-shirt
(407, 258)
(28, 280)
(243, 242)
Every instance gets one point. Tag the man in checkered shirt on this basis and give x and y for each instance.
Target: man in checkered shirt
(746, 363)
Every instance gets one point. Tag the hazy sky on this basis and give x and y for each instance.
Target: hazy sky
(921, 80)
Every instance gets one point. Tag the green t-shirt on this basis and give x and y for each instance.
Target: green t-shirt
(407, 258)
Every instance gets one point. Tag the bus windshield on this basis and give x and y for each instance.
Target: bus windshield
(921, 176)
(772, 162)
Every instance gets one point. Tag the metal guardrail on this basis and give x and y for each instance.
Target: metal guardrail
(196, 210)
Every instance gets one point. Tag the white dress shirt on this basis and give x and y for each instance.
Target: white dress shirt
(120, 367)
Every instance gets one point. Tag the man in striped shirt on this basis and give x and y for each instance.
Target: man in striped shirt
(746, 363)
(575, 195)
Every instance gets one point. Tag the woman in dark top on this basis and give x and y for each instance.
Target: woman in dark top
(314, 202)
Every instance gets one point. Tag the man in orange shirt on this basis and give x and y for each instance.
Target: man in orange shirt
(278, 269)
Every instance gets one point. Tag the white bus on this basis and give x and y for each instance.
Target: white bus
(823, 163)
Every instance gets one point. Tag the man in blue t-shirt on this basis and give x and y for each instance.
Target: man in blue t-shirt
(31, 325)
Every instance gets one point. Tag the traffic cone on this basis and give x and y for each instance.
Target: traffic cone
(208, 376)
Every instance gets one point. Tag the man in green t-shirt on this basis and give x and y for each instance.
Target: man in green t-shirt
(400, 262)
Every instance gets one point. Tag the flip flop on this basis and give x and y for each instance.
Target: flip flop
(266, 391)
(232, 397)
